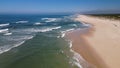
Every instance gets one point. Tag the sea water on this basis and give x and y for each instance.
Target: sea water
(37, 41)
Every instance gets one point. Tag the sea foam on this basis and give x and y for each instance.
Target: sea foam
(8, 34)
(37, 23)
(76, 57)
(6, 48)
(2, 25)
(64, 32)
(78, 60)
(51, 19)
(23, 38)
(44, 29)
(4, 30)
(22, 22)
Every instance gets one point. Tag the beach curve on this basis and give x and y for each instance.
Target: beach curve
(99, 44)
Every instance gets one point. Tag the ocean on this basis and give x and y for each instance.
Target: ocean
(37, 41)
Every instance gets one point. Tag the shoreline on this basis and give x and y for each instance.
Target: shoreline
(93, 44)
(81, 47)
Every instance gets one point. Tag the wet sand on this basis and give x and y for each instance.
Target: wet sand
(99, 45)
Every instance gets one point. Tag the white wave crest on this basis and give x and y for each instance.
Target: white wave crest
(70, 18)
(26, 37)
(64, 32)
(2, 25)
(4, 30)
(43, 29)
(20, 38)
(78, 60)
(70, 44)
(8, 34)
(76, 57)
(51, 19)
(7, 48)
(86, 24)
(16, 45)
(19, 41)
(37, 23)
(75, 25)
(49, 29)
(22, 22)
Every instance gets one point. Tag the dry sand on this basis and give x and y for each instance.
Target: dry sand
(100, 44)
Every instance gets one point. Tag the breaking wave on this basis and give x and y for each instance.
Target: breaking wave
(16, 34)
(4, 30)
(51, 19)
(7, 47)
(86, 24)
(37, 23)
(77, 59)
(21, 38)
(49, 29)
(8, 34)
(34, 30)
(64, 32)
(63, 19)
(22, 22)
(3, 25)
(17, 42)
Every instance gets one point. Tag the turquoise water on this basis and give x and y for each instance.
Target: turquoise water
(37, 41)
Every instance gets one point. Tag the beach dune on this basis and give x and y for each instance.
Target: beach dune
(100, 44)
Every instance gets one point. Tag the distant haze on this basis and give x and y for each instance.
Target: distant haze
(59, 6)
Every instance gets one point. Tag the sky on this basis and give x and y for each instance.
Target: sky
(58, 6)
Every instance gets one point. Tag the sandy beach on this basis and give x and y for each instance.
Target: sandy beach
(99, 45)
